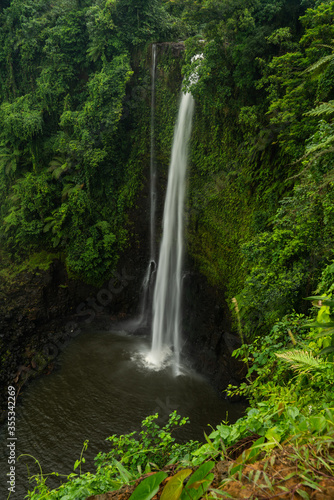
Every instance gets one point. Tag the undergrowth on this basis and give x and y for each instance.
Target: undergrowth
(289, 428)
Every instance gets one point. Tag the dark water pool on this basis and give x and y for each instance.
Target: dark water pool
(101, 388)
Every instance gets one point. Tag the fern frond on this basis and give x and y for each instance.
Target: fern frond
(318, 65)
(326, 46)
(302, 361)
(327, 178)
(325, 108)
(321, 146)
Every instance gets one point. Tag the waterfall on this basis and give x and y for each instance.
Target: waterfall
(168, 288)
(153, 192)
(150, 271)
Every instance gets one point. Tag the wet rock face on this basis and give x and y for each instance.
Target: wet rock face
(207, 336)
(175, 48)
(41, 311)
(32, 311)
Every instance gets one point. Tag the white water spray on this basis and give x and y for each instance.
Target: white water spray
(166, 328)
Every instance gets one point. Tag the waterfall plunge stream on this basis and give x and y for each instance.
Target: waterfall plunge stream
(168, 286)
(167, 278)
(145, 304)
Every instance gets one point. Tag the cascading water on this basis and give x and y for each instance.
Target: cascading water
(150, 271)
(168, 287)
(153, 192)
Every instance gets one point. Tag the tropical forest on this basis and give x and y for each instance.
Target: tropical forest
(166, 249)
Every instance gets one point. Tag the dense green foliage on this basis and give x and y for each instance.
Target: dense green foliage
(74, 146)
(67, 179)
(260, 188)
(261, 191)
(290, 389)
(131, 456)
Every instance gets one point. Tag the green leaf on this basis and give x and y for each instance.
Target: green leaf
(148, 487)
(283, 488)
(198, 482)
(236, 469)
(174, 487)
(311, 484)
(221, 493)
(125, 475)
(56, 241)
(201, 472)
(207, 439)
(325, 333)
(48, 226)
(256, 447)
(327, 350)
(257, 476)
(267, 481)
(273, 436)
(148, 468)
(318, 297)
(318, 422)
(316, 324)
(303, 494)
(249, 455)
(289, 476)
